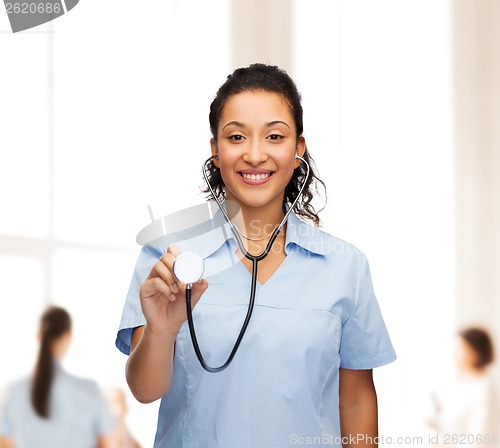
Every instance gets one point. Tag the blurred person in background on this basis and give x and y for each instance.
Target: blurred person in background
(52, 408)
(467, 416)
(121, 437)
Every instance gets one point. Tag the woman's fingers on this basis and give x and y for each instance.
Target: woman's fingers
(197, 289)
(161, 279)
(163, 297)
(154, 286)
(173, 250)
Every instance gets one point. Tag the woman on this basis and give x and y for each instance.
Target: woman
(467, 416)
(316, 330)
(52, 408)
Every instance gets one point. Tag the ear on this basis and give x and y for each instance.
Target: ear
(215, 152)
(300, 150)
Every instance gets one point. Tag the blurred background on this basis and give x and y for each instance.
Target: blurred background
(104, 111)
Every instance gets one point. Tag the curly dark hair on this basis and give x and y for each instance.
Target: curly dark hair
(267, 78)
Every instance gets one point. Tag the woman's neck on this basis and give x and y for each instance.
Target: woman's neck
(472, 372)
(256, 222)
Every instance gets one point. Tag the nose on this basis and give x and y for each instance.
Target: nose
(255, 153)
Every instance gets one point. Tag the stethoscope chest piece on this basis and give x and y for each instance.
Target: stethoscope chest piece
(188, 268)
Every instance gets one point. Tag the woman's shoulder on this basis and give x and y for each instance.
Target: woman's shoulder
(81, 383)
(18, 386)
(322, 241)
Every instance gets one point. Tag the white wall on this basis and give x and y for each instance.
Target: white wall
(477, 161)
(376, 78)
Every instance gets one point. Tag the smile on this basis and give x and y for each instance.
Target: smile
(255, 178)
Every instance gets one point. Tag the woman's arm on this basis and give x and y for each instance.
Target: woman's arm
(358, 408)
(6, 442)
(150, 364)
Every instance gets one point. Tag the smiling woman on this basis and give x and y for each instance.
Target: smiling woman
(256, 152)
(305, 364)
(289, 98)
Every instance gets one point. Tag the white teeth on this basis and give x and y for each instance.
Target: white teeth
(255, 176)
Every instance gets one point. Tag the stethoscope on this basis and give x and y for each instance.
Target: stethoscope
(189, 267)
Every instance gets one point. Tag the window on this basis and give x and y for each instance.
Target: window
(378, 120)
(107, 108)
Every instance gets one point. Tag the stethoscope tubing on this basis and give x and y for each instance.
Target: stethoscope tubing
(253, 258)
(236, 345)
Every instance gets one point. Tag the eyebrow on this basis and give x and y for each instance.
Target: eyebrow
(242, 125)
(234, 123)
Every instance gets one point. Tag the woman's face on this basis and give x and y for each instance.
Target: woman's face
(256, 145)
(466, 356)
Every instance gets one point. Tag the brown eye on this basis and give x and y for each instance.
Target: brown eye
(236, 137)
(275, 137)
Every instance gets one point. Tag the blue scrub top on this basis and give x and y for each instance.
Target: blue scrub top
(79, 414)
(318, 312)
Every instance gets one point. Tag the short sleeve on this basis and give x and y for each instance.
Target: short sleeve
(365, 342)
(132, 315)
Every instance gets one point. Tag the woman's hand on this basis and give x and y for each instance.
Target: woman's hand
(150, 364)
(163, 298)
